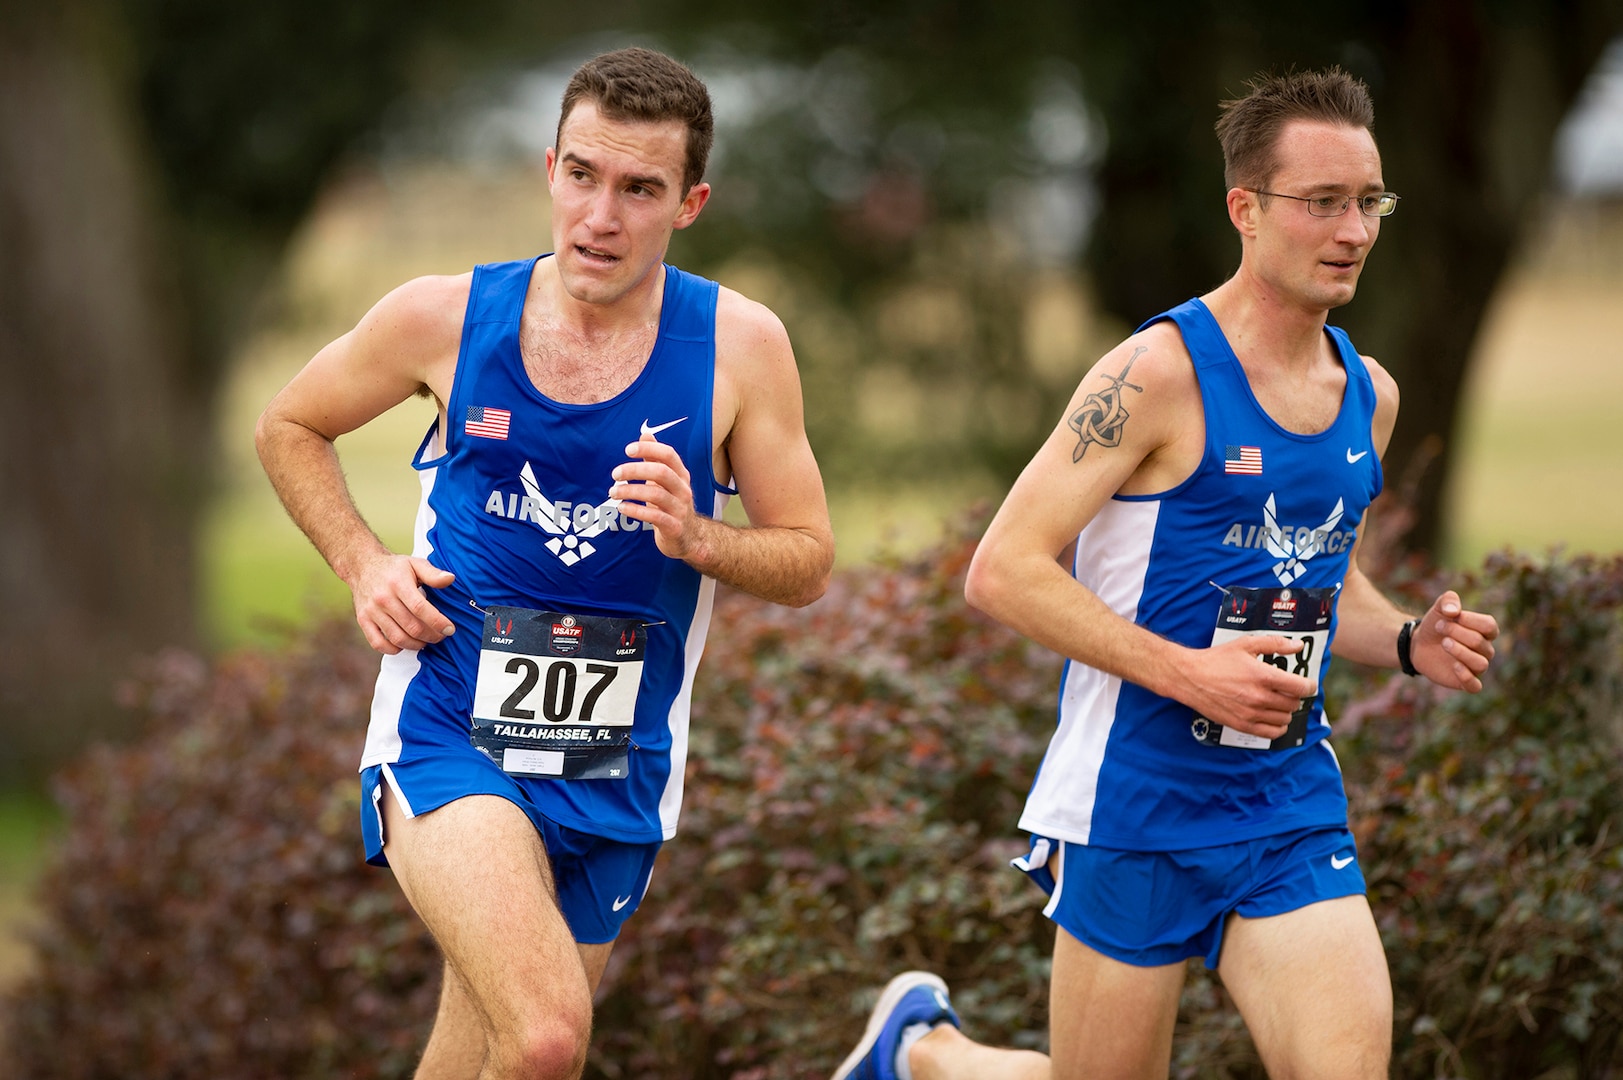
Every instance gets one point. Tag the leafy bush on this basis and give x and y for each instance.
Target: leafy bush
(855, 773)
(852, 791)
(1496, 824)
(207, 912)
(1490, 829)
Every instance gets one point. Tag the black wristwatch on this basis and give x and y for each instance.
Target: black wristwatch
(1404, 635)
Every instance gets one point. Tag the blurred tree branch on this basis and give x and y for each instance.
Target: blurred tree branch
(1468, 93)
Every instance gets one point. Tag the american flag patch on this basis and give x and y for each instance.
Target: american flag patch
(1245, 460)
(487, 423)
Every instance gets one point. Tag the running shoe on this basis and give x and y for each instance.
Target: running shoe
(913, 997)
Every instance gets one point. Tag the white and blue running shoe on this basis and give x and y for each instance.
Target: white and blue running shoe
(913, 997)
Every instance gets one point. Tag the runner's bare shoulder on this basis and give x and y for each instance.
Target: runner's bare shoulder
(414, 333)
(748, 331)
(423, 314)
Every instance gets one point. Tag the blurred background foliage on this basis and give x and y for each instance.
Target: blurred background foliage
(853, 778)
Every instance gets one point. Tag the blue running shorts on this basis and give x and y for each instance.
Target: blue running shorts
(1150, 908)
(600, 882)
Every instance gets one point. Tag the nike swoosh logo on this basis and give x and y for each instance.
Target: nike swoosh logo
(1335, 864)
(623, 901)
(647, 431)
(1352, 458)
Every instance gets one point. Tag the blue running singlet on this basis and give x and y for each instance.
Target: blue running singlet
(515, 504)
(1257, 540)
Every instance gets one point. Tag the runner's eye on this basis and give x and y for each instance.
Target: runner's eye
(1379, 205)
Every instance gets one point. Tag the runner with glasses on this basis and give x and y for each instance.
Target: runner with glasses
(1188, 538)
(1330, 204)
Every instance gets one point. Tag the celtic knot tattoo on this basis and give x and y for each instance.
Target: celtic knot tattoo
(1101, 416)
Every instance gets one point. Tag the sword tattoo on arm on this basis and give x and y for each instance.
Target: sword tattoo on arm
(1101, 416)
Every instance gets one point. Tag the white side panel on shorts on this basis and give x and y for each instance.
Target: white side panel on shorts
(388, 697)
(1057, 868)
(397, 793)
(396, 672)
(670, 801)
(1326, 744)
(1112, 560)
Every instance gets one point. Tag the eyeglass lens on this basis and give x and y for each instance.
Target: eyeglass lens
(1327, 205)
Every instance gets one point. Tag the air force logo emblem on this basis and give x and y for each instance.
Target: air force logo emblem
(1292, 549)
(570, 527)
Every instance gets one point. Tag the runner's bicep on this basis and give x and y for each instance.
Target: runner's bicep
(767, 453)
(1098, 443)
(335, 393)
(1054, 498)
(1114, 406)
(407, 341)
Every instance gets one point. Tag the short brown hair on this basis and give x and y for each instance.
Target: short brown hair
(1249, 127)
(644, 85)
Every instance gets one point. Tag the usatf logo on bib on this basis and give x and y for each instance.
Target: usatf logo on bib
(566, 636)
(1283, 612)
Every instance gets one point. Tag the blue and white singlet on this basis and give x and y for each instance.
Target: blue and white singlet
(1259, 536)
(515, 504)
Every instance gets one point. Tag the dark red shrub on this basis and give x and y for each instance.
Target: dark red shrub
(852, 791)
(855, 775)
(1496, 822)
(207, 912)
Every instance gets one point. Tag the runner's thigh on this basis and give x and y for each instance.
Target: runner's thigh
(477, 874)
(1109, 1020)
(1313, 987)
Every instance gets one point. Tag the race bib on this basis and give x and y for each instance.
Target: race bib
(1297, 614)
(557, 693)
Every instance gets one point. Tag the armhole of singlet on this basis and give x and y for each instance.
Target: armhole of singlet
(1349, 361)
(419, 461)
(469, 321)
(1205, 406)
(1358, 372)
(713, 302)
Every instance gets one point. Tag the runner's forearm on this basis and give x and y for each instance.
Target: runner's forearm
(1367, 624)
(304, 469)
(1041, 601)
(784, 565)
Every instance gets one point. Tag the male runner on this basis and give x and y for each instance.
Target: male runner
(1212, 473)
(525, 755)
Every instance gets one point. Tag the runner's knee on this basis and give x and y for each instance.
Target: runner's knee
(1359, 1047)
(551, 1048)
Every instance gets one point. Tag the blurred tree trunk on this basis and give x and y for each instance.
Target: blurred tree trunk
(155, 156)
(102, 448)
(1468, 97)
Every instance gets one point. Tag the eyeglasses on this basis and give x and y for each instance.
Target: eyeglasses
(1329, 204)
